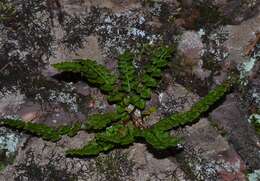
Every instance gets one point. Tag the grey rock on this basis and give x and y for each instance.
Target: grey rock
(208, 156)
(232, 119)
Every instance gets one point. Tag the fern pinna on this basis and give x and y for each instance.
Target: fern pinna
(128, 92)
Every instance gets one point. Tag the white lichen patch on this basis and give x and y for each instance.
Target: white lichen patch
(214, 44)
(255, 176)
(247, 67)
(136, 32)
(117, 29)
(256, 96)
(68, 99)
(207, 170)
(255, 117)
(201, 32)
(156, 9)
(8, 141)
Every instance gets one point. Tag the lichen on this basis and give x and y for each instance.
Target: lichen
(8, 146)
(254, 176)
(247, 67)
(114, 166)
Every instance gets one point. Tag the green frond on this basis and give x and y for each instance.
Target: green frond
(160, 140)
(127, 71)
(199, 108)
(90, 149)
(95, 74)
(118, 134)
(42, 131)
(138, 102)
(115, 97)
(115, 135)
(13, 123)
(100, 121)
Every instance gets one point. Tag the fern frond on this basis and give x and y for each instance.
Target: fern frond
(160, 140)
(127, 71)
(13, 123)
(199, 108)
(42, 131)
(95, 74)
(118, 134)
(138, 102)
(90, 149)
(100, 121)
(159, 60)
(113, 136)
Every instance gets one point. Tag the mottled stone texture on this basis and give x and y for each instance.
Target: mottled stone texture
(231, 118)
(222, 146)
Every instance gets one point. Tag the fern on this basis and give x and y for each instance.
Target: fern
(159, 61)
(100, 121)
(91, 149)
(43, 131)
(160, 140)
(13, 123)
(127, 72)
(120, 128)
(158, 135)
(95, 74)
(40, 130)
(199, 108)
(118, 134)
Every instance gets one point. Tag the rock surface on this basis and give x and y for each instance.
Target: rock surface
(210, 49)
(230, 116)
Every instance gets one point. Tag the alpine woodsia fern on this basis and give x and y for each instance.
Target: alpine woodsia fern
(129, 93)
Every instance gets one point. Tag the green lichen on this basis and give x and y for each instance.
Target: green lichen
(131, 88)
